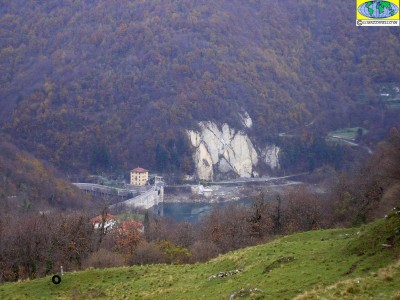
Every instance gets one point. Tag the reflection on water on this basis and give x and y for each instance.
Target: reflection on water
(193, 212)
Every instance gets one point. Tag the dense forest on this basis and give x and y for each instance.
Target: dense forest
(107, 85)
(30, 184)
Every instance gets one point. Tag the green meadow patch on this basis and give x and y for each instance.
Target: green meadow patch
(349, 133)
(336, 264)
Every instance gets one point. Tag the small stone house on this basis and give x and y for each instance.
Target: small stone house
(139, 176)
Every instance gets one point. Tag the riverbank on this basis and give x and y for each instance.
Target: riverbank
(217, 193)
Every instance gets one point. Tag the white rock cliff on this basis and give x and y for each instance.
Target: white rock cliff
(228, 150)
(271, 156)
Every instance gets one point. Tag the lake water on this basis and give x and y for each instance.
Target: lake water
(193, 212)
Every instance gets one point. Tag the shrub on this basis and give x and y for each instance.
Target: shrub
(147, 253)
(104, 259)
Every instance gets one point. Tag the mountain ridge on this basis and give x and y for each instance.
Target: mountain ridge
(130, 76)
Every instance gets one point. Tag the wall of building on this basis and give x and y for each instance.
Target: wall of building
(139, 178)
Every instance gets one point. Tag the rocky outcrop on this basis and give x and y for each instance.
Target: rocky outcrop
(228, 150)
(225, 274)
(203, 162)
(254, 293)
(271, 156)
(246, 120)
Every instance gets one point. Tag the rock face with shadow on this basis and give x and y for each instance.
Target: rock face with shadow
(224, 149)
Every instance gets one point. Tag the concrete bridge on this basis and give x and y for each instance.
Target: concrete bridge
(146, 197)
(153, 199)
(102, 190)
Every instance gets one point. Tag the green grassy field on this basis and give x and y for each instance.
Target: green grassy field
(129, 217)
(324, 264)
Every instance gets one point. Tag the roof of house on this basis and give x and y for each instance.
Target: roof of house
(99, 218)
(139, 170)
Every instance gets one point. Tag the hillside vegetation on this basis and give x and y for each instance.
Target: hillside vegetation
(111, 84)
(338, 264)
(30, 184)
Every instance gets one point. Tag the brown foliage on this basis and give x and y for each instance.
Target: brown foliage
(372, 189)
(127, 237)
(34, 184)
(147, 253)
(260, 219)
(103, 259)
(202, 251)
(144, 78)
(227, 228)
(34, 245)
(304, 211)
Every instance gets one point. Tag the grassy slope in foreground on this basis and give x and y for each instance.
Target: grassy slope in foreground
(326, 262)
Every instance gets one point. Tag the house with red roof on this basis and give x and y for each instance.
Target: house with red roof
(112, 222)
(109, 222)
(139, 176)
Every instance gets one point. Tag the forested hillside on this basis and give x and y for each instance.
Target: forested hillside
(28, 184)
(111, 84)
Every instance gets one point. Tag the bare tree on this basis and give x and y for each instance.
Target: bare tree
(260, 220)
(276, 214)
(304, 211)
(372, 188)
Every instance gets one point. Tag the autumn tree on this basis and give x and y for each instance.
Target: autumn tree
(372, 188)
(304, 210)
(228, 228)
(127, 237)
(276, 214)
(260, 220)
